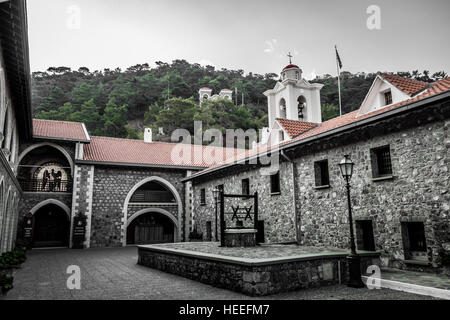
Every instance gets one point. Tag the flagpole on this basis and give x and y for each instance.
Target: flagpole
(339, 82)
(339, 90)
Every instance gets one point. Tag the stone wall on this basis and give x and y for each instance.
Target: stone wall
(31, 199)
(276, 210)
(10, 192)
(110, 189)
(254, 279)
(82, 198)
(418, 190)
(9, 199)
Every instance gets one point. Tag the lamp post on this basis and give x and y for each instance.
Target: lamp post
(354, 263)
(216, 192)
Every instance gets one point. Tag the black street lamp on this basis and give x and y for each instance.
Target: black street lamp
(216, 192)
(354, 262)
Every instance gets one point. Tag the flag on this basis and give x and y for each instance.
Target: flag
(338, 58)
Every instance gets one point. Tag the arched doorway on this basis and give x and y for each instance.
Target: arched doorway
(150, 227)
(152, 194)
(51, 226)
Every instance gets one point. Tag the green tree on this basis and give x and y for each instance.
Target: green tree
(177, 113)
(114, 118)
(329, 111)
(89, 115)
(131, 133)
(64, 112)
(85, 92)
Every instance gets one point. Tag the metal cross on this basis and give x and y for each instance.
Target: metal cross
(290, 56)
(248, 211)
(235, 213)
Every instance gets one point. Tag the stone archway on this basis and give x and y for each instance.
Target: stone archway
(51, 224)
(166, 184)
(48, 144)
(51, 201)
(165, 221)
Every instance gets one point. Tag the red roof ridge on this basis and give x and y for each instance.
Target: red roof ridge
(52, 120)
(159, 142)
(295, 127)
(60, 129)
(407, 85)
(284, 119)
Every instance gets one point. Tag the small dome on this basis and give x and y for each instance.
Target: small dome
(290, 66)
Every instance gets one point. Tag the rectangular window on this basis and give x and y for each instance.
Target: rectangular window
(416, 233)
(275, 183)
(414, 241)
(208, 231)
(246, 186)
(364, 235)
(381, 161)
(321, 174)
(388, 98)
(202, 197)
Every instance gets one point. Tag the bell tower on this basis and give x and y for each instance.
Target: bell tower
(293, 97)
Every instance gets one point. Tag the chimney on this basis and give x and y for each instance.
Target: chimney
(148, 135)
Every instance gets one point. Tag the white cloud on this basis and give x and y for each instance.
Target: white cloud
(312, 75)
(206, 62)
(270, 46)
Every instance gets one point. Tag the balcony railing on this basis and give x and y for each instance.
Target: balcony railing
(39, 185)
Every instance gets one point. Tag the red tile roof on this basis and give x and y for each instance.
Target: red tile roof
(435, 88)
(127, 151)
(290, 66)
(409, 86)
(60, 130)
(294, 127)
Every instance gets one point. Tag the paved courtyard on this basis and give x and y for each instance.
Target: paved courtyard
(258, 252)
(114, 274)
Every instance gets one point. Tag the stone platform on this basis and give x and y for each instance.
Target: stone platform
(256, 271)
(240, 237)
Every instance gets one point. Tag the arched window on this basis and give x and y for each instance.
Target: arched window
(5, 127)
(301, 107)
(152, 191)
(45, 168)
(205, 97)
(282, 108)
(2, 214)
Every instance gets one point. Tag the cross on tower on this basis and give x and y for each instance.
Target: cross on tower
(290, 56)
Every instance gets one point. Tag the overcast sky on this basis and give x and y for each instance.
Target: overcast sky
(253, 35)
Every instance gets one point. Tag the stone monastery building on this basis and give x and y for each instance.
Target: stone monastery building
(136, 192)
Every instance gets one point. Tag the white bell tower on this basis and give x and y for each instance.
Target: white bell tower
(204, 94)
(293, 97)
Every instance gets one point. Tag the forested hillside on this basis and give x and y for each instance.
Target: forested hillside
(119, 102)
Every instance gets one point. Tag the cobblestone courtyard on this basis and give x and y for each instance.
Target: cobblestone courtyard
(114, 274)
